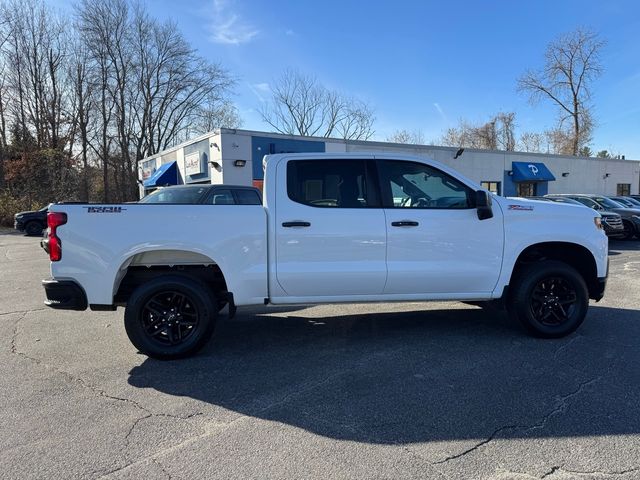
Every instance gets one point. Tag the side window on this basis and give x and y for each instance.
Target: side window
(329, 183)
(587, 202)
(248, 197)
(221, 197)
(416, 185)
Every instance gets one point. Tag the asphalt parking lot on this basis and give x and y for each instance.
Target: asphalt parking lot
(440, 390)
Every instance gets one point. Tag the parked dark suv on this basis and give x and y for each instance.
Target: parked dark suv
(31, 222)
(611, 221)
(630, 216)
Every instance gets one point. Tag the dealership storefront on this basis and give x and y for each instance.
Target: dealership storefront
(235, 157)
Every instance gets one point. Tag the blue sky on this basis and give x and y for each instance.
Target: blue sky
(423, 65)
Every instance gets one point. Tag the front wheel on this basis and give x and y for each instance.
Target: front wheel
(629, 230)
(549, 298)
(170, 317)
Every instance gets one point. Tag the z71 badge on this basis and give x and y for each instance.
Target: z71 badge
(525, 208)
(105, 209)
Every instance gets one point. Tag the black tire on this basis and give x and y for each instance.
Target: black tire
(33, 228)
(549, 298)
(629, 230)
(171, 317)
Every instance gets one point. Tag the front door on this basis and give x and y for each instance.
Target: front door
(435, 242)
(527, 189)
(330, 229)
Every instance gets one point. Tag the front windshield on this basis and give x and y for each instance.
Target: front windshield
(185, 196)
(623, 201)
(565, 200)
(608, 203)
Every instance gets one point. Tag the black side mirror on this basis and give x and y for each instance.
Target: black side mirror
(483, 205)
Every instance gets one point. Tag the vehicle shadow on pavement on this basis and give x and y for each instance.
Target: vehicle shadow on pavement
(405, 377)
(616, 246)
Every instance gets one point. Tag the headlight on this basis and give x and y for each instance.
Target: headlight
(598, 222)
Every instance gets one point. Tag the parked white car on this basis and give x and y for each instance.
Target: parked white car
(334, 228)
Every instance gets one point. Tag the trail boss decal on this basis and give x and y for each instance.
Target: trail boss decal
(524, 208)
(105, 209)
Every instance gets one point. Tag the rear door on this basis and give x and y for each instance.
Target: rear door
(330, 228)
(436, 245)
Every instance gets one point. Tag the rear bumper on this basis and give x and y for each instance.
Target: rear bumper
(64, 295)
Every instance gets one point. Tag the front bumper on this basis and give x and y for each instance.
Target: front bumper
(64, 295)
(597, 290)
(18, 225)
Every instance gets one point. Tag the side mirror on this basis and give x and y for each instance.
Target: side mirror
(483, 205)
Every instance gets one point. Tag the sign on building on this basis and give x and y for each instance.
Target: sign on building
(192, 164)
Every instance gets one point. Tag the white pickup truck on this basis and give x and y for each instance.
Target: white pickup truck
(334, 228)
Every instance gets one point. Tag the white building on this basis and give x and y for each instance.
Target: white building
(235, 157)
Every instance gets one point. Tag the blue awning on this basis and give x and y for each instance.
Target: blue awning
(531, 172)
(167, 174)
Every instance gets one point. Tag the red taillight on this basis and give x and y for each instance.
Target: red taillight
(54, 220)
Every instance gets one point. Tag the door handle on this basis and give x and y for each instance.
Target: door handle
(296, 224)
(405, 223)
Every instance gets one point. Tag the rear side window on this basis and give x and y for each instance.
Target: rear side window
(222, 197)
(329, 183)
(248, 197)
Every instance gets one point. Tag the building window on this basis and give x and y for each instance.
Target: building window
(624, 189)
(526, 189)
(493, 187)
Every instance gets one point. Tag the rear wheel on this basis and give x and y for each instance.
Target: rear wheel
(549, 298)
(170, 317)
(33, 228)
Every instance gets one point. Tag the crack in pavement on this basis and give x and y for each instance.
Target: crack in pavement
(79, 381)
(23, 311)
(555, 469)
(218, 428)
(161, 468)
(566, 345)
(561, 407)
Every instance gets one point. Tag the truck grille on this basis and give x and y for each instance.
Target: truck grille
(614, 223)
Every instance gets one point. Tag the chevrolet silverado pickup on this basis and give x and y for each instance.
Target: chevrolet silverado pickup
(333, 228)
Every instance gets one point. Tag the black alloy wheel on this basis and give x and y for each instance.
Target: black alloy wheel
(553, 301)
(170, 317)
(549, 298)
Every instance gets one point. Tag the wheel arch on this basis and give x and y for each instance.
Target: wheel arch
(145, 265)
(572, 254)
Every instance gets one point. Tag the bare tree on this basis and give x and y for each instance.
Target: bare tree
(505, 124)
(572, 63)
(414, 137)
(300, 105)
(531, 142)
(152, 87)
(496, 134)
